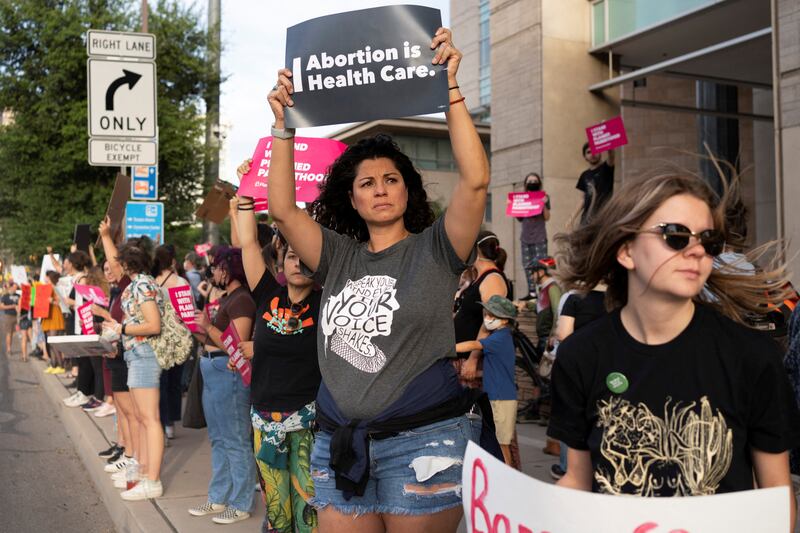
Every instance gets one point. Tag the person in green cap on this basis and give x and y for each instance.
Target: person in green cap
(498, 367)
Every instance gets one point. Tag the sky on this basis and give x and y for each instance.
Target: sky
(253, 40)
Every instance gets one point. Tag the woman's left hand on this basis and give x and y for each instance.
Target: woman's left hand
(201, 319)
(113, 325)
(446, 53)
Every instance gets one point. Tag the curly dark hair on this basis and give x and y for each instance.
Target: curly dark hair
(333, 209)
(133, 258)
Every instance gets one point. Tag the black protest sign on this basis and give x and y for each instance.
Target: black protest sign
(365, 65)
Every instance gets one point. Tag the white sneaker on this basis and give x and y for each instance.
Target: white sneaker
(231, 516)
(122, 474)
(105, 410)
(120, 483)
(76, 400)
(143, 490)
(170, 431)
(118, 465)
(207, 508)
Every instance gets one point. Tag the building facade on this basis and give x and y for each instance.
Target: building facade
(688, 77)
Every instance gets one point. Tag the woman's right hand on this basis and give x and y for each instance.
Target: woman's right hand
(280, 96)
(246, 347)
(105, 227)
(244, 168)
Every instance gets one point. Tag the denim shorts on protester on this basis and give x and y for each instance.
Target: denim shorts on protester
(143, 368)
(418, 472)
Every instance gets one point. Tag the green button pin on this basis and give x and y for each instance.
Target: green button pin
(617, 382)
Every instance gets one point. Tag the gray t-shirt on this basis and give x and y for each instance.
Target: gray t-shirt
(534, 230)
(386, 317)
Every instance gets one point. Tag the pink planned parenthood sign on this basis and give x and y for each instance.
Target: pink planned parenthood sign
(312, 157)
(525, 204)
(607, 135)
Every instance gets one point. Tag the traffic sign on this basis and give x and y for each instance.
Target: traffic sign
(122, 98)
(145, 218)
(144, 183)
(121, 44)
(122, 152)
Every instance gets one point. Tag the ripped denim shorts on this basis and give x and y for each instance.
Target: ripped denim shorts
(417, 472)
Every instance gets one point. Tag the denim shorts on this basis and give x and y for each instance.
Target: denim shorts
(143, 368)
(417, 472)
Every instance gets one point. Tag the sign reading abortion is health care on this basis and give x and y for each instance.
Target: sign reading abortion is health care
(365, 65)
(312, 157)
(497, 498)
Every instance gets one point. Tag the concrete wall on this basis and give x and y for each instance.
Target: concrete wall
(466, 34)
(788, 79)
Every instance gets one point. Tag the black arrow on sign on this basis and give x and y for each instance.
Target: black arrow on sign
(128, 77)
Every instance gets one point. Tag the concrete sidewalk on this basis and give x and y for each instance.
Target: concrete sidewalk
(187, 469)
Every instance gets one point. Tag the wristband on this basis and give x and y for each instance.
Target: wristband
(457, 100)
(454, 87)
(285, 134)
(123, 329)
(246, 208)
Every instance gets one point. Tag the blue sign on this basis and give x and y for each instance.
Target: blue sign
(144, 183)
(145, 218)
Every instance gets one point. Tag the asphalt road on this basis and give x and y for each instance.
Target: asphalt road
(43, 485)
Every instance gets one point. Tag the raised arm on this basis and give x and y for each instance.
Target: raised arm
(109, 249)
(254, 266)
(465, 212)
(301, 231)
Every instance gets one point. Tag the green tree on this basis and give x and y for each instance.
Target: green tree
(46, 183)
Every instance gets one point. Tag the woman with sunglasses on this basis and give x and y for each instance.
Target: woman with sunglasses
(226, 399)
(285, 378)
(670, 394)
(390, 270)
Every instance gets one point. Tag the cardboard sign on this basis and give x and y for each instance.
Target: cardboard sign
(607, 135)
(86, 318)
(18, 274)
(497, 498)
(216, 204)
(92, 294)
(25, 297)
(231, 340)
(81, 345)
(183, 303)
(312, 157)
(41, 300)
(525, 204)
(116, 207)
(365, 65)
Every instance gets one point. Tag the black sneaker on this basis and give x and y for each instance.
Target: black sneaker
(527, 297)
(110, 451)
(530, 416)
(116, 455)
(556, 472)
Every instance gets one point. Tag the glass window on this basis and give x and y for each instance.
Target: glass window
(487, 214)
(484, 49)
(630, 16)
(598, 23)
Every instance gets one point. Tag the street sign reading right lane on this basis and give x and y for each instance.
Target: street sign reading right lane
(122, 99)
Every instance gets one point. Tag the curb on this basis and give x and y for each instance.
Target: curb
(87, 437)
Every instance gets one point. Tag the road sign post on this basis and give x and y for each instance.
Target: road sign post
(121, 88)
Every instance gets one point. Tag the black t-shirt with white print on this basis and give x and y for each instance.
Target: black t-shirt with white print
(676, 419)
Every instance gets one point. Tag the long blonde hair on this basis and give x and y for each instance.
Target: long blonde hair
(588, 255)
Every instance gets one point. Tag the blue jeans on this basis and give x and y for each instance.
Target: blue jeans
(562, 456)
(226, 404)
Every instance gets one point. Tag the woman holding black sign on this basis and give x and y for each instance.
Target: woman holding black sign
(389, 271)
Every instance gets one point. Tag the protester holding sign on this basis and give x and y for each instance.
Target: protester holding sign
(226, 400)
(533, 237)
(389, 272)
(670, 394)
(285, 379)
(596, 182)
(52, 325)
(8, 304)
(143, 307)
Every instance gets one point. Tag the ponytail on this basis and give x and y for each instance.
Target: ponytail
(489, 247)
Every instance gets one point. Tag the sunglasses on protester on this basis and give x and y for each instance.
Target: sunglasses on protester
(294, 321)
(678, 236)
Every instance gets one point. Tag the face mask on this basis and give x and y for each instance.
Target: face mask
(534, 186)
(491, 324)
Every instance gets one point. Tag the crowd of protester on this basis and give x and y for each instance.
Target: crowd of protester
(360, 362)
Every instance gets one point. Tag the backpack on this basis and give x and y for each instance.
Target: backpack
(174, 344)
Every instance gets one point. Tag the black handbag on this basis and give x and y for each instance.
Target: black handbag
(193, 416)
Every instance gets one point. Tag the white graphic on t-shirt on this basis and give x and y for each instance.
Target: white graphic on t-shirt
(362, 310)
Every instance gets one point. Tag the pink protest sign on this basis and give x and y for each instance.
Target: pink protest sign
(607, 135)
(86, 317)
(312, 157)
(183, 303)
(92, 294)
(202, 249)
(231, 340)
(525, 204)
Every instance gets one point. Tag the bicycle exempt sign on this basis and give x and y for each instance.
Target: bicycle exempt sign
(365, 65)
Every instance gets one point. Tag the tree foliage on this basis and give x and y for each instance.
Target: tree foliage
(46, 183)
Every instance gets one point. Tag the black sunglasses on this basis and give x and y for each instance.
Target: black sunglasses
(677, 237)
